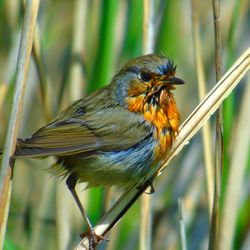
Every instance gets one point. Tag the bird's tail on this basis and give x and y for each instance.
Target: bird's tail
(23, 150)
(20, 152)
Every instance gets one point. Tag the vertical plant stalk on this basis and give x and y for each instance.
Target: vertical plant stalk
(25, 48)
(236, 174)
(148, 27)
(214, 226)
(229, 104)
(182, 225)
(206, 131)
(76, 81)
(44, 81)
(146, 200)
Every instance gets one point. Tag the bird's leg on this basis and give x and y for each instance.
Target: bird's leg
(71, 183)
(149, 185)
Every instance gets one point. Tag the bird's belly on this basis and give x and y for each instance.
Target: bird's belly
(121, 168)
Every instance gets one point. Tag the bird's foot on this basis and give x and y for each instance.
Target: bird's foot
(150, 186)
(93, 238)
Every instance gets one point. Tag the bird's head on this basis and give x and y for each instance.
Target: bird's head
(146, 80)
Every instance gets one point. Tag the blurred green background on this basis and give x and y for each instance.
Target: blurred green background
(83, 44)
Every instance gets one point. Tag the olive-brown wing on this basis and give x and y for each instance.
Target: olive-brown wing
(105, 130)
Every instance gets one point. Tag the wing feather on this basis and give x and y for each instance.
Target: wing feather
(90, 133)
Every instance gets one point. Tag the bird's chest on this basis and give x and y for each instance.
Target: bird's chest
(161, 112)
(166, 122)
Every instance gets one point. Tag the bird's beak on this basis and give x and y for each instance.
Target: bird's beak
(172, 80)
(175, 80)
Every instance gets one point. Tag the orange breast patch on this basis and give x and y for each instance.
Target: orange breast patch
(165, 118)
(163, 115)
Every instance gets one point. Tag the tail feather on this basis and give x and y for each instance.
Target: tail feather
(22, 151)
(27, 152)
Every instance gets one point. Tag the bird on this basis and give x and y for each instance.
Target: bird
(115, 136)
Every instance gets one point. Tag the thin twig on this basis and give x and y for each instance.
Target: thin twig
(191, 125)
(214, 226)
(16, 110)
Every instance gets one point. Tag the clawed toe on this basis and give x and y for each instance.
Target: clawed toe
(93, 238)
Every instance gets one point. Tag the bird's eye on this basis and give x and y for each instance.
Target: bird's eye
(146, 77)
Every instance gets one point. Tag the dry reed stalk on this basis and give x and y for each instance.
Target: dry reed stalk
(25, 48)
(215, 220)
